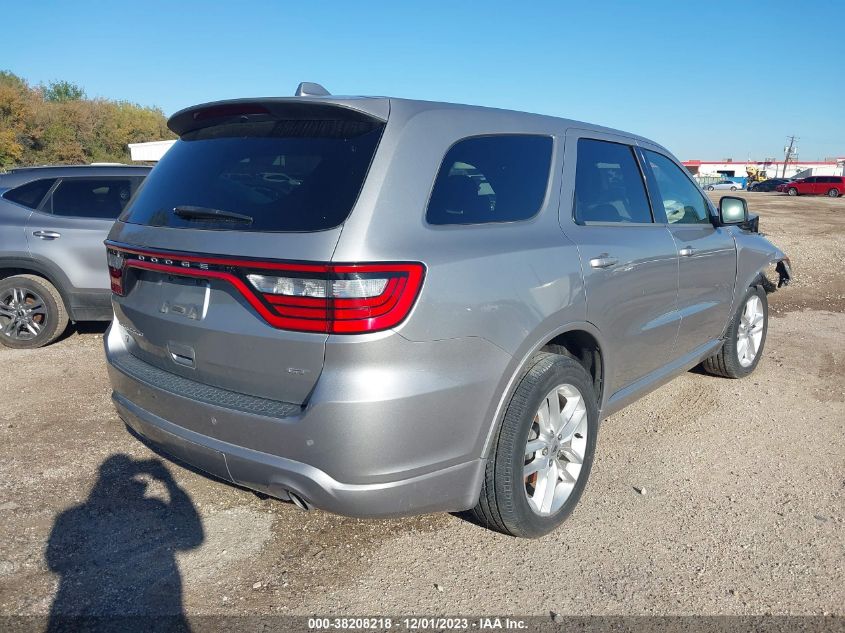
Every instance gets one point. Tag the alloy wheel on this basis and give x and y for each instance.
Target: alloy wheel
(555, 450)
(23, 314)
(750, 331)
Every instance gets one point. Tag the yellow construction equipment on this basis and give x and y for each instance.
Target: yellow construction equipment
(755, 174)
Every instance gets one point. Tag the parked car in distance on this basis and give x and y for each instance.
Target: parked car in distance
(833, 186)
(381, 306)
(53, 221)
(767, 185)
(724, 184)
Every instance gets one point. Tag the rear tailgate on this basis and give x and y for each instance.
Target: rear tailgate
(204, 329)
(258, 191)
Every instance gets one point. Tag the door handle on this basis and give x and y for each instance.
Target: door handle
(603, 261)
(687, 251)
(47, 235)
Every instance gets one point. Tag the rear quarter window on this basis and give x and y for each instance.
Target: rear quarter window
(496, 178)
(31, 194)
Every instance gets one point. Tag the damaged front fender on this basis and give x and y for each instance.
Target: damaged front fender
(784, 271)
(756, 256)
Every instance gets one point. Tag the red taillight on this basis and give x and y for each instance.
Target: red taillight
(331, 298)
(115, 262)
(116, 281)
(342, 299)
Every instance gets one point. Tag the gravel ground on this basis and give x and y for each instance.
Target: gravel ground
(741, 512)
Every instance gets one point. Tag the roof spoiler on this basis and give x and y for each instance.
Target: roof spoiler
(305, 108)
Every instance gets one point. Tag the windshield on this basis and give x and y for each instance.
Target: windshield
(283, 175)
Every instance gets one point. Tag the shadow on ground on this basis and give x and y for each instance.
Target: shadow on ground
(83, 328)
(115, 553)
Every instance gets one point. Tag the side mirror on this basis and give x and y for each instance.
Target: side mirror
(733, 210)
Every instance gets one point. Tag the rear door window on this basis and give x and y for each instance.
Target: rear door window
(497, 178)
(608, 184)
(100, 198)
(681, 199)
(275, 176)
(31, 194)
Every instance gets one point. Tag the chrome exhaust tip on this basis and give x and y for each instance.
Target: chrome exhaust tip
(298, 501)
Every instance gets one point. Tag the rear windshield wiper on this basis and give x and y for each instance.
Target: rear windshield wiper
(206, 213)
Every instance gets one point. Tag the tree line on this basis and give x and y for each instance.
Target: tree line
(57, 124)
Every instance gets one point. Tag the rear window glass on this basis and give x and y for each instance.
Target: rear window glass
(491, 179)
(31, 194)
(267, 176)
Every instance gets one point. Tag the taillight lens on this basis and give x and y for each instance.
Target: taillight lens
(115, 262)
(349, 299)
(289, 286)
(332, 298)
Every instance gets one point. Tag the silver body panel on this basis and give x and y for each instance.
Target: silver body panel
(66, 250)
(401, 421)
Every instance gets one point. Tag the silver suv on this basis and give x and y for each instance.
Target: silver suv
(53, 221)
(380, 306)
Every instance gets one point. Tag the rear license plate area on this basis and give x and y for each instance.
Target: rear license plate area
(184, 296)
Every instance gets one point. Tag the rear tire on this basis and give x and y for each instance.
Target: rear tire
(733, 188)
(32, 313)
(792, 191)
(516, 504)
(745, 334)
(833, 193)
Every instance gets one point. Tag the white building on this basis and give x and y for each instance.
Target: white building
(729, 169)
(149, 152)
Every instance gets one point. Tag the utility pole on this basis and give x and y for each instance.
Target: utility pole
(788, 154)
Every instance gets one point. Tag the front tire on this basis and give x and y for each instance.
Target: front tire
(543, 451)
(744, 339)
(833, 193)
(32, 313)
(710, 188)
(792, 191)
(733, 188)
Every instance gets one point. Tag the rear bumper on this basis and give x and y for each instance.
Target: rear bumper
(359, 448)
(451, 489)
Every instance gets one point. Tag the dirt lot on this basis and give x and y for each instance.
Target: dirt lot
(742, 511)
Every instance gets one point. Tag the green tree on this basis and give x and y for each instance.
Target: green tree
(59, 91)
(57, 124)
(14, 112)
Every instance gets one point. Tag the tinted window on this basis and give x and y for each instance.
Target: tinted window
(101, 198)
(608, 184)
(681, 199)
(283, 175)
(491, 179)
(31, 194)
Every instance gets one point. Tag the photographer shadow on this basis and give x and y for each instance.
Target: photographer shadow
(116, 552)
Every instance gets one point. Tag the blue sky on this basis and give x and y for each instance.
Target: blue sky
(709, 80)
